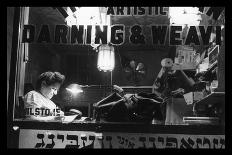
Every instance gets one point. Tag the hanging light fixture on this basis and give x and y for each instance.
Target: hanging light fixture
(106, 58)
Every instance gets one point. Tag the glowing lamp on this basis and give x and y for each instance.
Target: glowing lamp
(106, 58)
(74, 88)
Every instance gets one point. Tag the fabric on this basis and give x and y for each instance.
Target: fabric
(37, 106)
(142, 107)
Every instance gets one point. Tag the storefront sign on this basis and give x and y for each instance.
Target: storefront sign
(215, 12)
(116, 34)
(87, 139)
(84, 36)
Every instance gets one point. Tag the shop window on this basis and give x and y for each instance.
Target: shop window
(56, 39)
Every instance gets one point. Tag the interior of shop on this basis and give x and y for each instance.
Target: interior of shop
(155, 56)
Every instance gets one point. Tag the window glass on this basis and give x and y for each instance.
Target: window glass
(96, 48)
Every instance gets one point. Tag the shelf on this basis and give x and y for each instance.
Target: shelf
(209, 71)
(201, 120)
(212, 98)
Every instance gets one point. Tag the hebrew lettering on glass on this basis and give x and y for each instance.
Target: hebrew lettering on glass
(72, 137)
(42, 144)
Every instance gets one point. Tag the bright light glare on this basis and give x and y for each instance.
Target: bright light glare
(71, 20)
(184, 15)
(15, 128)
(87, 16)
(74, 90)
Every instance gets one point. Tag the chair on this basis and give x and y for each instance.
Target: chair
(19, 109)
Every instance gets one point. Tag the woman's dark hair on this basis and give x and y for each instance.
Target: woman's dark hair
(49, 78)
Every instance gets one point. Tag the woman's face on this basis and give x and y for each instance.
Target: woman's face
(49, 91)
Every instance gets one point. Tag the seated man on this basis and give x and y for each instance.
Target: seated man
(38, 103)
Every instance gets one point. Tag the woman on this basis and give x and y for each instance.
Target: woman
(38, 104)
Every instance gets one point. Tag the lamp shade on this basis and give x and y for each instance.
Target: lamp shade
(74, 88)
(106, 58)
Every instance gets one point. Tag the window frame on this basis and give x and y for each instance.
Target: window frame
(19, 57)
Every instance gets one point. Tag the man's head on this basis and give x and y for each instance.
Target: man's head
(49, 83)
